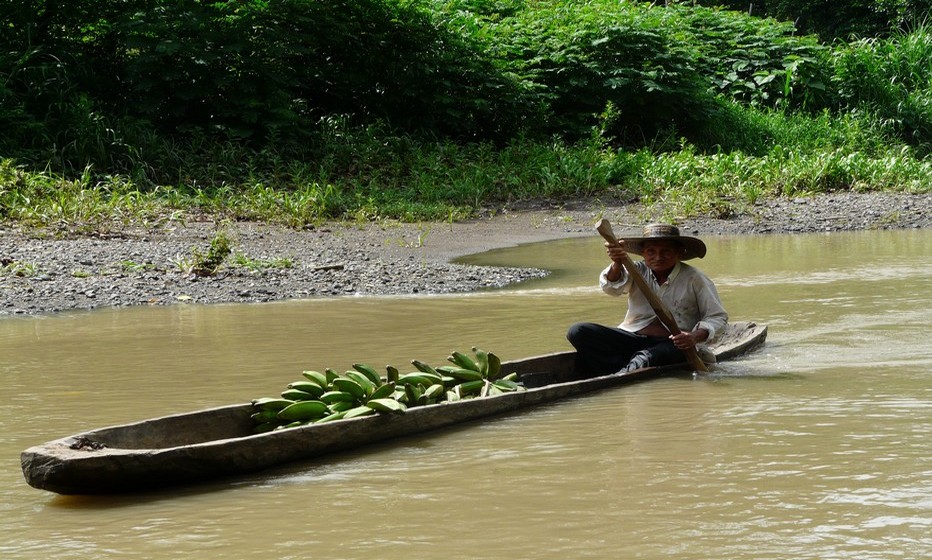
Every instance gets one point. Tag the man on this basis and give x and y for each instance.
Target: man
(641, 340)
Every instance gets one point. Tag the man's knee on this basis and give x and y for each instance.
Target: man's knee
(578, 332)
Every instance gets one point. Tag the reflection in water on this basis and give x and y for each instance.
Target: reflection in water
(816, 446)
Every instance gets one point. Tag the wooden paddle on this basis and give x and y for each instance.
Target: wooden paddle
(605, 229)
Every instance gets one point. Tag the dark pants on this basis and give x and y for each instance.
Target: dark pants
(602, 349)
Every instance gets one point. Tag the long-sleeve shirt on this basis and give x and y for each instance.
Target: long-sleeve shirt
(688, 294)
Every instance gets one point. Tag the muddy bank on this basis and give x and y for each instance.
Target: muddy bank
(43, 274)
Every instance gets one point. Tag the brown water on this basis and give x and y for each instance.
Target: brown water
(817, 446)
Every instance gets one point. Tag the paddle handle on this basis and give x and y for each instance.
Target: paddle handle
(605, 230)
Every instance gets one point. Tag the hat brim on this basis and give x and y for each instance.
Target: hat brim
(693, 248)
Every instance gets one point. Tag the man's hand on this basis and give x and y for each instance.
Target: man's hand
(687, 340)
(616, 252)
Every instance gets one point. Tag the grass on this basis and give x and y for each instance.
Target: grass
(221, 253)
(201, 263)
(17, 268)
(129, 266)
(687, 184)
(87, 204)
(261, 265)
(363, 174)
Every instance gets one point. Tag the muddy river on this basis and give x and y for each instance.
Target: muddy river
(816, 446)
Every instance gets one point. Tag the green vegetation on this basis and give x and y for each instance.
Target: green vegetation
(208, 263)
(297, 111)
(219, 253)
(836, 19)
(261, 265)
(128, 266)
(17, 268)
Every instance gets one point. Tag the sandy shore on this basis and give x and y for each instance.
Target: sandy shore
(41, 274)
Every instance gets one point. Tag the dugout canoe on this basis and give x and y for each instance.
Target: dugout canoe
(218, 442)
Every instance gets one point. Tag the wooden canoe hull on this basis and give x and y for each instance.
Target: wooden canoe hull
(218, 442)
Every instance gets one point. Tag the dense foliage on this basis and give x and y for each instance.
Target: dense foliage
(103, 73)
(837, 19)
(94, 81)
(300, 109)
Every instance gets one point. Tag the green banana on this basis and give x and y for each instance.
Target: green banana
(423, 367)
(308, 387)
(358, 411)
(304, 410)
(467, 388)
(332, 416)
(363, 381)
(513, 376)
(463, 361)
(435, 391)
(387, 405)
(459, 373)
(369, 372)
(264, 416)
(384, 391)
(297, 395)
(330, 374)
(413, 394)
(495, 367)
(341, 406)
(392, 373)
(331, 397)
(349, 386)
(507, 385)
(316, 377)
(419, 378)
(482, 360)
(270, 403)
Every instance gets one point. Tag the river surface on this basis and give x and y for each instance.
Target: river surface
(817, 446)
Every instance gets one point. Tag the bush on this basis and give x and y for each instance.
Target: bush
(754, 60)
(268, 70)
(837, 19)
(88, 83)
(640, 73)
(577, 62)
(890, 78)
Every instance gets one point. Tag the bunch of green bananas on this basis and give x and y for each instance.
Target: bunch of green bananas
(361, 391)
(471, 377)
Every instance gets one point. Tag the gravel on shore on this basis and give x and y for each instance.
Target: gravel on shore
(42, 273)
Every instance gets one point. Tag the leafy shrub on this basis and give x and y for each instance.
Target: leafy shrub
(108, 82)
(836, 19)
(754, 60)
(261, 68)
(890, 78)
(651, 68)
(577, 59)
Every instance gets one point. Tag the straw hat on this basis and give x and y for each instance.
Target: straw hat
(692, 247)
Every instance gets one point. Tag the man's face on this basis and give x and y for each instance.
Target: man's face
(661, 256)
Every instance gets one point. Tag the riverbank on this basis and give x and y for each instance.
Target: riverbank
(41, 274)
